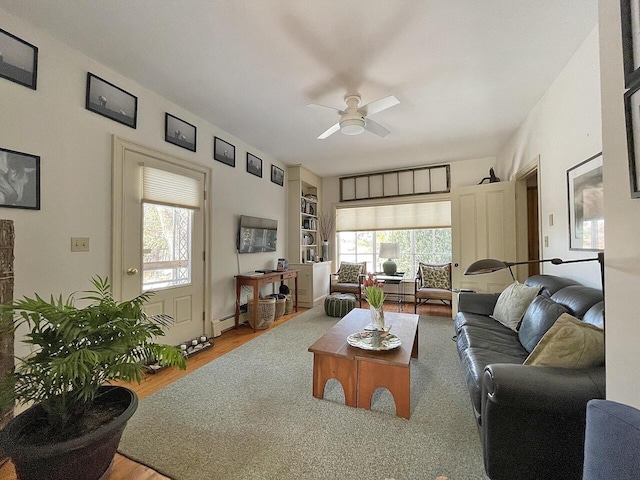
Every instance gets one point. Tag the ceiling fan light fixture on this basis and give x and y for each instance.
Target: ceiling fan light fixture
(353, 126)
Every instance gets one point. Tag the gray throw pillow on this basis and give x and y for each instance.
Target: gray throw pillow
(539, 317)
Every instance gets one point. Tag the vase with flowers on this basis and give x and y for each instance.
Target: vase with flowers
(375, 296)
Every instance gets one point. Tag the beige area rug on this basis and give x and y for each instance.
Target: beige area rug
(250, 415)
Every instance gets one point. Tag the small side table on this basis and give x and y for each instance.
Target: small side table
(396, 280)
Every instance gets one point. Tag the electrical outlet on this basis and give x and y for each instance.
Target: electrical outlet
(79, 244)
(551, 219)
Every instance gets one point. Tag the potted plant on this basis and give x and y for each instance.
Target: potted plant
(74, 427)
(375, 296)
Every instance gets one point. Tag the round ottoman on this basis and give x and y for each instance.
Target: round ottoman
(339, 304)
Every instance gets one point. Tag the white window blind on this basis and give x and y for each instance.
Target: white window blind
(394, 217)
(168, 188)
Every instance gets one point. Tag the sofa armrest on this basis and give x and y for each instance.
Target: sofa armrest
(533, 420)
(532, 387)
(480, 303)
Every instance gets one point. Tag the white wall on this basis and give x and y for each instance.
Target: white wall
(75, 149)
(564, 128)
(622, 215)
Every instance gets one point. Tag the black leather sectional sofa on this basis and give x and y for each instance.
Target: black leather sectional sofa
(531, 419)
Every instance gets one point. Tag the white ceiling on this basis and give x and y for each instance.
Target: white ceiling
(466, 72)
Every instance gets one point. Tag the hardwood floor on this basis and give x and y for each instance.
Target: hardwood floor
(125, 469)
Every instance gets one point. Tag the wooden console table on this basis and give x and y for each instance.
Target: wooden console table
(256, 282)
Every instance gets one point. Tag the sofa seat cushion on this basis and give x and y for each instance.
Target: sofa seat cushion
(503, 342)
(539, 317)
(569, 343)
(475, 319)
(473, 361)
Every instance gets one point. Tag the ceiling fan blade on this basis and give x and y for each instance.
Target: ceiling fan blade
(375, 127)
(324, 107)
(379, 105)
(330, 131)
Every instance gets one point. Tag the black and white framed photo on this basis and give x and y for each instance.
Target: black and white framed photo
(586, 205)
(106, 99)
(254, 165)
(632, 114)
(630, 15)
(277, 175)
(224, 152)
(19, 180)
(179, 132)
(18, 60)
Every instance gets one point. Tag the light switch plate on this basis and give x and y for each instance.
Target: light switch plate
(79, 244)
(551, 219)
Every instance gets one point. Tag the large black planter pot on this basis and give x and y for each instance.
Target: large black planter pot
(84, 458)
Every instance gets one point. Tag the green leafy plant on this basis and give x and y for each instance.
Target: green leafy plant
(77, 350)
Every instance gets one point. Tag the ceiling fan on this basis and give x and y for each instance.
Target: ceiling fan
(354, 119)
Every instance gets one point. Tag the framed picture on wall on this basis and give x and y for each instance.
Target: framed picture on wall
(254, 165)
(632, 114)
(19, 180)
(106, 99)
(630, 16)
(179, 132)
(224, 152)
(586, 205)
(277, 175)
(18, 60)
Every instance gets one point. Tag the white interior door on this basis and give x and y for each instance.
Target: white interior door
(160, 236)
(483, 225)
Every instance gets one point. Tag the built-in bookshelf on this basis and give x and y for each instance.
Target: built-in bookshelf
(303, 246)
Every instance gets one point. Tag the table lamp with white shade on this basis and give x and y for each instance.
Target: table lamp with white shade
(389, 251)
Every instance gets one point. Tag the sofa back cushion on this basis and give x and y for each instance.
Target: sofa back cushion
(577, 298)
(595, 315)
(512, 303)
(539, 317)
(569, 343)
(549, 284)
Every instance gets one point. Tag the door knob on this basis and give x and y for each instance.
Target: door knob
(455, 264)
(132, 271)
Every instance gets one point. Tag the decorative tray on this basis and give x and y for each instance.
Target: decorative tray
(372, 340)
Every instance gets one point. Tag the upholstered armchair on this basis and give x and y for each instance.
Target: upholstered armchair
(433, 282)
(348, 279)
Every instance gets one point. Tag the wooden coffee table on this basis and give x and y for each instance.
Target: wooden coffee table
(361, 372)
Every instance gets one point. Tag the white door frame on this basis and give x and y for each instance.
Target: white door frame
(120, 147)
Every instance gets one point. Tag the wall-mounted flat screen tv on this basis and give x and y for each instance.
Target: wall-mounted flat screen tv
(257, 235)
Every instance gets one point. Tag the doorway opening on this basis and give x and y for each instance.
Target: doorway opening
(528, 218)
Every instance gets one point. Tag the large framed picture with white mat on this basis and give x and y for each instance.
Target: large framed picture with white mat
(586, 205)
